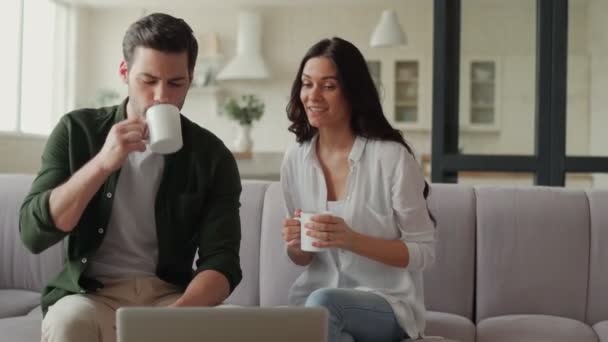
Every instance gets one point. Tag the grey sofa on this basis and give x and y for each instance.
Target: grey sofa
(513, 263)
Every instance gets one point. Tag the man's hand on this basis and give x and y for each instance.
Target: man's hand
(68, 201)
(208, 288)
(124, 137)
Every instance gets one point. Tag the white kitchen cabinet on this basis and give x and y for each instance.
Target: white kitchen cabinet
(480, 89)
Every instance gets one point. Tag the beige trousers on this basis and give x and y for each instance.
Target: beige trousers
(92, 317)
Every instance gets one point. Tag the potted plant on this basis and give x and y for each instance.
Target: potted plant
(245, 110)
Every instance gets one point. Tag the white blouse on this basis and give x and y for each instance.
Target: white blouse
(384, 199)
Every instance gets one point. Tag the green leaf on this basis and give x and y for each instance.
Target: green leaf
(245, 110)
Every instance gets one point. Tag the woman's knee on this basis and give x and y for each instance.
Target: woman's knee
(323, 297)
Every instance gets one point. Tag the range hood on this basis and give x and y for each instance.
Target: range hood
(248, 64)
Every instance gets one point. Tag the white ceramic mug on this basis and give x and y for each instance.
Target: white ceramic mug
(305, 240)
(165, 128)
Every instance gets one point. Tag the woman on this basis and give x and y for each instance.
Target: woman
(352, 163)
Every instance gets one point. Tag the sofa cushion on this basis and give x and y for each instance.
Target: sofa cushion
(532, 251)
(450, 326)
(20, 269)
(601, 329)
(17, 302)
(533, 328)
(597, 302)
(277, 272)
(252, 201)
(448, 283)
(20, 329)
(35, 313)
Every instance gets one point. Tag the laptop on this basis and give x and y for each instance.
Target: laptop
(221, 324)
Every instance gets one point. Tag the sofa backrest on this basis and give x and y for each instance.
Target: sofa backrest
(277, 272)
(532, 251)
(252, 203)
(449, 282)
(19, 268)
(507, 249)
(597, 302)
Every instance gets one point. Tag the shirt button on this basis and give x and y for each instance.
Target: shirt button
(100, 230)
(84, 260)
(109, 195)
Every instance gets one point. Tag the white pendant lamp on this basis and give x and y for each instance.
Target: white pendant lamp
(388, 32)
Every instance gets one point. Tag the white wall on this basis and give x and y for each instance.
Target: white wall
(599, 84)
(578, 120)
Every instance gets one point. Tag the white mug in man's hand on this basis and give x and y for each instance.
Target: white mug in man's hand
(305, 240)
(164, 128)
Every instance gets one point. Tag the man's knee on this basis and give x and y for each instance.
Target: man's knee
(346, 337)
(71, 318)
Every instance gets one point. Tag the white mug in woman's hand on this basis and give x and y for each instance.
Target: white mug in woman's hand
(164, 127)
(305, 240)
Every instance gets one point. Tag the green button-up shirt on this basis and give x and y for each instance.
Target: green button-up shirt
(196, 206)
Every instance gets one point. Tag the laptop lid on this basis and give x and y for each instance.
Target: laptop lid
(221, 324)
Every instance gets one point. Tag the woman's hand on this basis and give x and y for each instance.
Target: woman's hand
(331, 231)
(291, 235)
(291, 231)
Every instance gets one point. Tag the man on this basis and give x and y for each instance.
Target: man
(134, 219)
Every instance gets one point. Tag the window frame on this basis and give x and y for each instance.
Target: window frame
(549, 162)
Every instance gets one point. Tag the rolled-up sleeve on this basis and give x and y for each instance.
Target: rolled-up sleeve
(413, 217)
(220, 230)
(37, 229)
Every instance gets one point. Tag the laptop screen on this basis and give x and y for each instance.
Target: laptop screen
(222, 324)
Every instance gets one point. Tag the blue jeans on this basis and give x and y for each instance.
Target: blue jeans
(357, 316)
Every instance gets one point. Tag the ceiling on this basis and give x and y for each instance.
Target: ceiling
(224, 3)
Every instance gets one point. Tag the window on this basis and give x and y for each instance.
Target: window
(9, 62)
(32, 61)
(549, 163)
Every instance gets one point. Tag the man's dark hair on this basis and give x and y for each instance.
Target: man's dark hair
(161, 32)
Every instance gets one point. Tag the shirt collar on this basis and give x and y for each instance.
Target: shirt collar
(121, 111)
(309, 148)
(355, 153)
